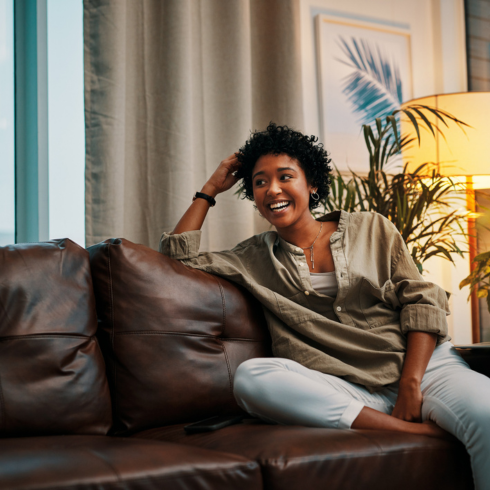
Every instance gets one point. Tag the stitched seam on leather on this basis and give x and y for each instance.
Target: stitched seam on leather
(113, 364)
(111, 292)
(230, 377)
(46, 336)
(223, 303)
(241, 340)
(101, 457)
(183, 334)
(222, 291)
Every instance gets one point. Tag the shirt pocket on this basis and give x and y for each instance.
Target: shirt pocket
(379, 306)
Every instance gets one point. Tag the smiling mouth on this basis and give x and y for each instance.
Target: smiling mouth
(279, 206)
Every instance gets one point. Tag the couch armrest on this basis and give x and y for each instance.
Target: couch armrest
(477, 356)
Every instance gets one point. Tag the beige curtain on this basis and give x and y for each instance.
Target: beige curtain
(172, 87)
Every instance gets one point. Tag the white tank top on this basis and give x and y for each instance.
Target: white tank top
(325, 283)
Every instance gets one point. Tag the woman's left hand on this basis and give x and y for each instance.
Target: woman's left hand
(409, 402)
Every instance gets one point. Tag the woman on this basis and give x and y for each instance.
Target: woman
(359, 338)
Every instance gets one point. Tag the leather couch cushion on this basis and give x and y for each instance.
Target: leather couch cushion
(101, 462)
(172, 336)
(300, 458)
(52, 373)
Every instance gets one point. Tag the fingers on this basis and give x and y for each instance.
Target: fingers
(231, 163)
(409, 417)
(235, 166)
(232, 157)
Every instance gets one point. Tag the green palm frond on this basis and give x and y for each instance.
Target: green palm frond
(479, 279)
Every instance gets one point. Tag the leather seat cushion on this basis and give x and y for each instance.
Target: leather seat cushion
(52, 373)
(101, 462)
(300, 458)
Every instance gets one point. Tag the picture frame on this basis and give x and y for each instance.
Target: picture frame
(364, 71)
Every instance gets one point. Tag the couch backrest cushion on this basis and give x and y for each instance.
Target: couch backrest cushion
(172, 336)
(52, 373)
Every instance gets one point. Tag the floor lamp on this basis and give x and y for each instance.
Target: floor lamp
(462, 155)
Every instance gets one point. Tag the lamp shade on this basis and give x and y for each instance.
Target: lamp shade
(458, 152)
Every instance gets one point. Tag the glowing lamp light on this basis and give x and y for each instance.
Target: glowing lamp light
(462, 154)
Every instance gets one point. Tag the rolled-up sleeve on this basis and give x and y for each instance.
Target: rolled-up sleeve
(424, 304)
(181, 246)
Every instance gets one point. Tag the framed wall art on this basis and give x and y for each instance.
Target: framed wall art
(364, 71)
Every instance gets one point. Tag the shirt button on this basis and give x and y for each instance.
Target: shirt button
(339, 308)
(307, 293)
(301, 264)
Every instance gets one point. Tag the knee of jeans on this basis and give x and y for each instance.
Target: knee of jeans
(245, 381)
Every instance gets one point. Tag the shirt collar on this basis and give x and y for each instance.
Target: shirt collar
(339, 215)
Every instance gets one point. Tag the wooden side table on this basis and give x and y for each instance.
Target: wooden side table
(477, 356)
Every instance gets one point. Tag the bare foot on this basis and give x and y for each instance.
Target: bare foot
(435, 431)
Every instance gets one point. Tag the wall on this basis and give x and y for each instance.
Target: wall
(439, 66)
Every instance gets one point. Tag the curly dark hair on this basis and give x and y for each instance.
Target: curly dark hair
(277, 140)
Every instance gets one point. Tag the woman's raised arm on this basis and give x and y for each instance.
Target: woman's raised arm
(222, 179)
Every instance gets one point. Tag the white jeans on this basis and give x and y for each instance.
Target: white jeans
(454, 397)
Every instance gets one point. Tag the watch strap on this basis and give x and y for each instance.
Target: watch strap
(201, 195)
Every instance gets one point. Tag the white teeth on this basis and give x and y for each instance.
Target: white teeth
(279, 205)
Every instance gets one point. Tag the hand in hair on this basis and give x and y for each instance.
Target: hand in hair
(223, 177)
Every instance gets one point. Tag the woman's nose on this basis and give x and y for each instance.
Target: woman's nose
(274, 188)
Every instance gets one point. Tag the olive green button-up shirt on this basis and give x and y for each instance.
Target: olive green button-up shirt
(360, 335)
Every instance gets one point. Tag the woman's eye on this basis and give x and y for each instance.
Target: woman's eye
(286, 177)
(259, 182)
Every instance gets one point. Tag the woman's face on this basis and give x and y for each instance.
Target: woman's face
(281, 191)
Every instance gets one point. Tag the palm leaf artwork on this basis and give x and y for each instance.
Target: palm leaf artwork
(374, 87)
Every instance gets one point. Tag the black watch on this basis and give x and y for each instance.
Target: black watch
(210, 199)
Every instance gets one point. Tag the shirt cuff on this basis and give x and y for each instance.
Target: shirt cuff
(424, 318)
(181, 246)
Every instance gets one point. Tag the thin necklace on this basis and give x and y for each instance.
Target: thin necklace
(312, 258)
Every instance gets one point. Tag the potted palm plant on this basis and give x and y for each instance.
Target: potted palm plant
(420, 203)
(479, 279)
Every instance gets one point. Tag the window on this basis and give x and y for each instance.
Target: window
(42, 141)
(7, 166)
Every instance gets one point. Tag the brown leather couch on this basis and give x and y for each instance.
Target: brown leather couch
(105, 355)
